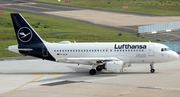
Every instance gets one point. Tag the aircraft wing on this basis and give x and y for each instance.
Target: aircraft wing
(87, 59)
(93, 59)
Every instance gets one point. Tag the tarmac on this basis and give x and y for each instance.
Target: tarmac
(35, 77)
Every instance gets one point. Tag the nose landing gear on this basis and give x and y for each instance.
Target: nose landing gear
(152, 68)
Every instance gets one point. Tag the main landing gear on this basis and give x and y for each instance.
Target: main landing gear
(98, 68)
(152, 68)
(93, 70)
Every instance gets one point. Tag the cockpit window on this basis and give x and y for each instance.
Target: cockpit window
(165, 49)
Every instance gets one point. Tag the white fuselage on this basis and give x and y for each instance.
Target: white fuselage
(137, 52)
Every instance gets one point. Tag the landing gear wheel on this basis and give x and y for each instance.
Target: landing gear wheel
(152, 70)
(98, 69)
(92, 72)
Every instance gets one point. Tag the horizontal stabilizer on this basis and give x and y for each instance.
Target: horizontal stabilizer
(25, 49)
(15, 48)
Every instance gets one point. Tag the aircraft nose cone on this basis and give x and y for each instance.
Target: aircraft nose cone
(175, 55)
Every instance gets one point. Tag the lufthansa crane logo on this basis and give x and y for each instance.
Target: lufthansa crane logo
(24, 34)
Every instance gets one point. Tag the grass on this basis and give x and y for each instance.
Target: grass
(59, 29)
(157, 7)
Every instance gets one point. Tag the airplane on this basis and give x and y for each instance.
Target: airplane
(111, 56)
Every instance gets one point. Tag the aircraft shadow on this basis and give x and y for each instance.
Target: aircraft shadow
(79, 76)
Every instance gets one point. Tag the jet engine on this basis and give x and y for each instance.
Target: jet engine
(128, 65)
(114, 66)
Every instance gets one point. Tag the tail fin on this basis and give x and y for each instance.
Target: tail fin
(29, 42)
(25, 34)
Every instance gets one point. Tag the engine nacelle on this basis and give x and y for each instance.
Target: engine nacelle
(128, 65)
(114, 66)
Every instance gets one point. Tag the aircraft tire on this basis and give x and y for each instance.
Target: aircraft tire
(152, 70)
(98, 69)
(92, 72)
